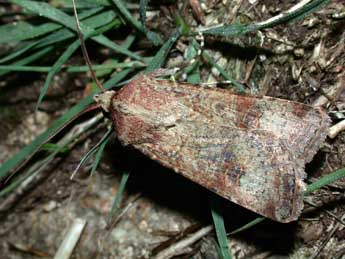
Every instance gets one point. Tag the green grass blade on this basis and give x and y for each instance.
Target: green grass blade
(248, 225)
(20, 50)
(104, 142)
(91, 152)
(94, 22)
(72, 69)
(58, 64)
(159, 59)
(288, 16)
(56, 67)
(118, 197)
(30, 58)
(123, 10)
(219, 227)
(152, 36)
(50, 12)
(23, 31)
(325, 180)
(210, 60)
(59, 35)
(26, 152)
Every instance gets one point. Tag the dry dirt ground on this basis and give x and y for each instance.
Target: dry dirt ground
(303, 61)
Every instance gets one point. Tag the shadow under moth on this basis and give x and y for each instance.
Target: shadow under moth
(251, 151)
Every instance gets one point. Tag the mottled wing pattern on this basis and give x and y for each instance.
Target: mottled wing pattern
(249, 150)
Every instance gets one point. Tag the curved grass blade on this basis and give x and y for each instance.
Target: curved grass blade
(63, 144)
(327, 179)
(58, 64)
(72, 69)
(18, 52)
(152, 36)
(60, 35)
(25, 153)
(159, 59)
(92, 151)
(23, 31)
(210, 60)
(123, 10)
(248, 225)
(295, 13)
(219, 227)
(56, 15)
(30, 58)
(118, 197)
(55, 68)
(99, 153)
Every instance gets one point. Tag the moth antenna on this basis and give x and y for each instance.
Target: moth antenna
(84, 50)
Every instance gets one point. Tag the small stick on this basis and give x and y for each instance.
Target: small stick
(336, 129)
(71, 239)
(172, 250)
(84, 50)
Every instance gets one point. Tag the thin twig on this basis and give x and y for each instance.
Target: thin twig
(84, 50)
(175, 248)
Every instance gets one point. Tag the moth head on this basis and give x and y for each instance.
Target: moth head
(104, 100)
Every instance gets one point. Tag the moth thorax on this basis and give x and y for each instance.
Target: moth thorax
(104, 100)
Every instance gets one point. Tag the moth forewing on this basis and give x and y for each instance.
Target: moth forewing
(249, 150)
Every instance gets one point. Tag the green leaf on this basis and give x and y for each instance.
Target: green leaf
(55, 68)
(118, 197)
(218, 221)
(327, 179)
(25, 153)
(129, 17)
(22, 31)
(48, 11)
(29, 58)
(209, 59)
(152, 36)
(248, 225)
(288, 16)
(53, 147)
(104, 142)
(159, 59)
(61, 34)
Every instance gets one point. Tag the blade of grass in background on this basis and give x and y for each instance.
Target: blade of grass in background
(325, 180)
(248, 225)
(99, 153)
(219, 227)
(160, 57)
(295, 13)
(30, 58)
(25, 153)
(48, 11)
(152, 36)
(129, 17)
(73, 69)
(91, 152)
(23, 31)
(61, 34)
(55, 68)
(118, 197)
(210, 60)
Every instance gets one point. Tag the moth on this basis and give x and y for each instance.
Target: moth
(251, 151)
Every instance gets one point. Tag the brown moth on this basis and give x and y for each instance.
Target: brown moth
(251, 151)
